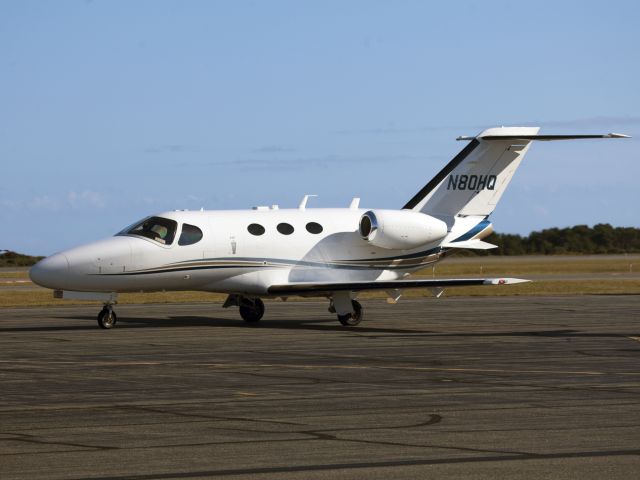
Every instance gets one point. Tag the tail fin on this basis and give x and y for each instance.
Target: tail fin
(472, 183)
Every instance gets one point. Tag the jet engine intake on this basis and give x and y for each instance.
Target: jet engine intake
(400, 229)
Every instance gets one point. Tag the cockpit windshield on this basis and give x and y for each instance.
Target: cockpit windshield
(158, 229)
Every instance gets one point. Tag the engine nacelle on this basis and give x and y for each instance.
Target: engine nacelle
(400, 229)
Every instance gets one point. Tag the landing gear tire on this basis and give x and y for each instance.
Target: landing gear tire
(252, 311)
(354, 318)
(107, 318)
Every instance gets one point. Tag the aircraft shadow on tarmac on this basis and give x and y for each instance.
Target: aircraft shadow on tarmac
(212, 322)
(299, 324)
(295, 324)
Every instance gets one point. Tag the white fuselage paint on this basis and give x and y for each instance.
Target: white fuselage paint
(229, 259)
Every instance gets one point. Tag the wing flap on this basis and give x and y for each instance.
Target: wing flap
(328, 287)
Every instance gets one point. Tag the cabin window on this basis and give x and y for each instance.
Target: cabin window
(313, 227)
(285, 228)
(158, 229)
(190, 235)
(255, 229)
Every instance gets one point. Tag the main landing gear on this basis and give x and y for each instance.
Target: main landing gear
(353, 318)
(107, 318)
(350, 313)
(251, 308)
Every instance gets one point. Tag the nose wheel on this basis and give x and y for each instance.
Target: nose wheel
(107, 317)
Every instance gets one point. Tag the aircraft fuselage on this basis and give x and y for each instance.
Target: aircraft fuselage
(295, 246)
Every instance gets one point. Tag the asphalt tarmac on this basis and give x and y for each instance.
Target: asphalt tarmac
(462, 387)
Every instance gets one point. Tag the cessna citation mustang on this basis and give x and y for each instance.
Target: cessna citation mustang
(269, 252)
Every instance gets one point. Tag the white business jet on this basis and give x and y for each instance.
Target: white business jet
(269, 252)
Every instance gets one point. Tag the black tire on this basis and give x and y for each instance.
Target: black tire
(107, 318)
(252, 313)
(354, 318)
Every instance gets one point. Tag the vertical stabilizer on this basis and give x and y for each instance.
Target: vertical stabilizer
(472, 183)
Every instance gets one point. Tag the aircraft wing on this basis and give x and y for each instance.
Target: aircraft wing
(328, 287)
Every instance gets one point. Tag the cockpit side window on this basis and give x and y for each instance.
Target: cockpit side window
(190, 235)
(158, 229)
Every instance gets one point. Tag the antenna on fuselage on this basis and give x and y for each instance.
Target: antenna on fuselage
(355, 203)
(303, 203)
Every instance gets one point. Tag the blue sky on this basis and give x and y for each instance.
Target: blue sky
(113, 110)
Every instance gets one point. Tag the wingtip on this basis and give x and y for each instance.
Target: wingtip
(619, 135)
(504, 281)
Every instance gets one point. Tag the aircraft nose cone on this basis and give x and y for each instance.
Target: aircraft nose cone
(48, 272)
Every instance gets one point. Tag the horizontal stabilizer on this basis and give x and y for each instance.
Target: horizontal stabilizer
(315, 288)
(542, 137)
(471, 244)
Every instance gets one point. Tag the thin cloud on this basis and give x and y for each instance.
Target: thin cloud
(44, 202)
(598, 121)
(274, 149)
(40, 202)
(172, 148)
(298, 163)
(393, 130)
(86, 198)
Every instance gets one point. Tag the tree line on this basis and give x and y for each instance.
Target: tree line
(580, 239)
(13, 259)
